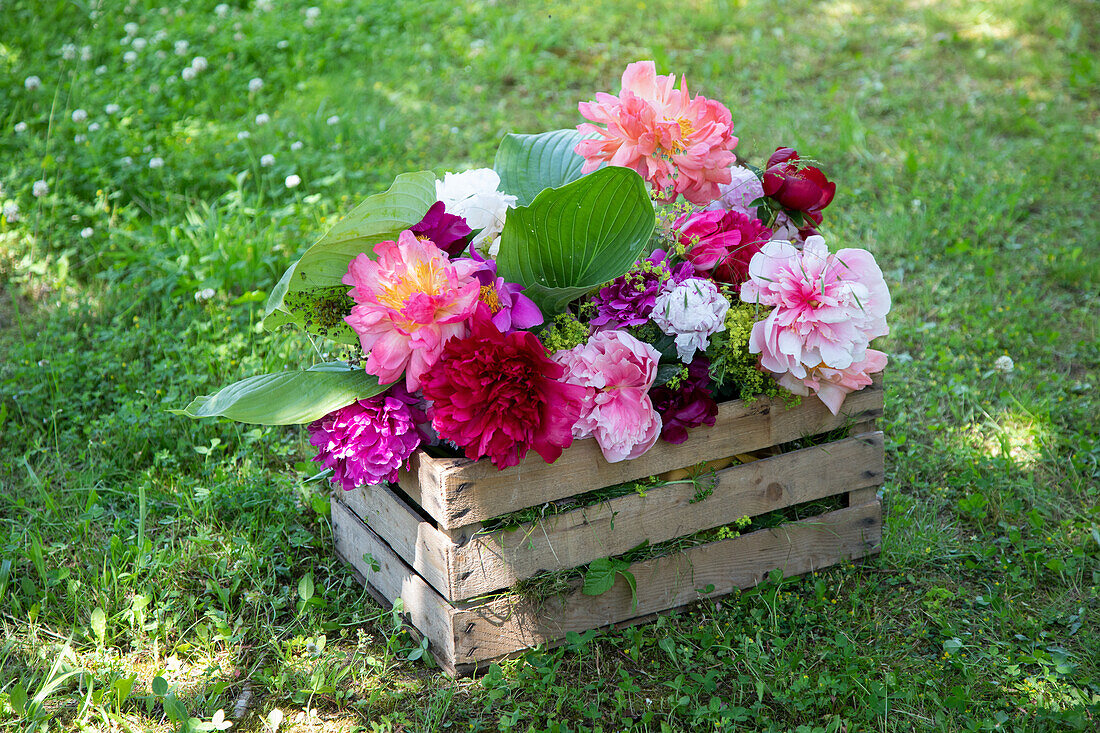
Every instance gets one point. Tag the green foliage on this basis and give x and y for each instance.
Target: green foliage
(733, 368)
(529, 164)
(575, 237)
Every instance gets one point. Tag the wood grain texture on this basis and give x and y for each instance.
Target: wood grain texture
(508, 624)
(456, 491)
(425, 608)
(490, 562)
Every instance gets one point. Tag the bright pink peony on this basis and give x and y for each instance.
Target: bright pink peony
(721, 243)
(408, 303)
(617, 371)
(680, 144)
(369, 440)
(832, 385)
(497, 395)
(827, 308)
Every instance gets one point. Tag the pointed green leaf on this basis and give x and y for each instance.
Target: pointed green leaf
(305, 587)
(381, 217)
(573, 238)
(528, 164)
(600, 577)
(99, 624)
(287, 398)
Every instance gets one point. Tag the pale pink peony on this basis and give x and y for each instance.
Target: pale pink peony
(737, 195)
(617, 371)
(408, 303)
(680, 144)
(832, 385)
(828, 307)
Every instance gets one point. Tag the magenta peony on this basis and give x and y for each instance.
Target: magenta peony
(721, 243)
(369, 440)
(448, 232)
(508, 308)
(681, 145)
(497, 395)
(408, 303)
(827, 308)
(688, 405)
(628, 299)
(616, 371)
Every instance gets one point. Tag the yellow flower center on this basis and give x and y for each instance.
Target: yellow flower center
(421, 277)
(490, 297)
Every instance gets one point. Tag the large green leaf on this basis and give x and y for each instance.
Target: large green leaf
(310, 288)
(529, 164)
(287, 398)
(573, 238)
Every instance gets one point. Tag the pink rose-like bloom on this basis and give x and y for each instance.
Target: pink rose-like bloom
(617, 371)
(721, 241)
(827, 307)
(832, 385)
(369, 440)
(680, 144)
(408, 303)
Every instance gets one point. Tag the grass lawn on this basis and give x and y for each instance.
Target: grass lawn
(155, 571)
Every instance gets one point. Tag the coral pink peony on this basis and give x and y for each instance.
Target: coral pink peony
(827, 308)
(408, 303)
(832, 385)
(497, 395)
(617, 371)
(681, 145)
(721, 243)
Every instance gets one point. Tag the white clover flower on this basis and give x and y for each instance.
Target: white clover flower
(265, 6)
(283, 44)
(244, 135)
(473, 195)
(20, 127)
(188, 73)
(101, 70)
(68, 51)
(255, 84)
(87, 233)
(161, 34)
(204, 295)
(139, 44)
(334, 120)
(125, 41)
(11, 212)
(112, 109)
(180, 47)
(292, 181)
(94, 127)
(267, 160)
(263, 118)
(32, 83)
(238, 36)
(129, 57)
(691, 312)
(199, 63)
(80, 115)
(313, 12)
(160, 55)
(297, 145)
(156, 162)
(131, 28)
(85, 53)
(1004, 364)
(80, 139)
(221, 10)
(126, 160)
(40, 189)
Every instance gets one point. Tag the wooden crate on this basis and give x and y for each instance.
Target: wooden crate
(425, 540)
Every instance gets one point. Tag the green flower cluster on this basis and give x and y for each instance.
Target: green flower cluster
(732, 367)
(564, 332)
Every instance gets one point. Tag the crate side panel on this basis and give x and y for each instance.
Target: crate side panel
(497, 560)
(506, 625)
(393, 579)
(457, 492)
(417, 542)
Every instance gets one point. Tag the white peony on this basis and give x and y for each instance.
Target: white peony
(692, 312)
(474, 196)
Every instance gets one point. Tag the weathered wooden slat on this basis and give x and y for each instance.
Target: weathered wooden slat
(426, 549)
(357, 545)
(493, 561)
(507, 624)
(456, 492)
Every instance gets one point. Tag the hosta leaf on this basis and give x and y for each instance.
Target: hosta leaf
(528, 164)
(576, 237)
(287, 398)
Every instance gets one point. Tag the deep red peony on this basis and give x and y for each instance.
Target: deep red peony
(498, 395)
(795, 186)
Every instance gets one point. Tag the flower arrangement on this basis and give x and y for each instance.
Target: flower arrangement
(613, 282)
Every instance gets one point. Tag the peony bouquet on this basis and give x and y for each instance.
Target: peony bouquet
(613, 282)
